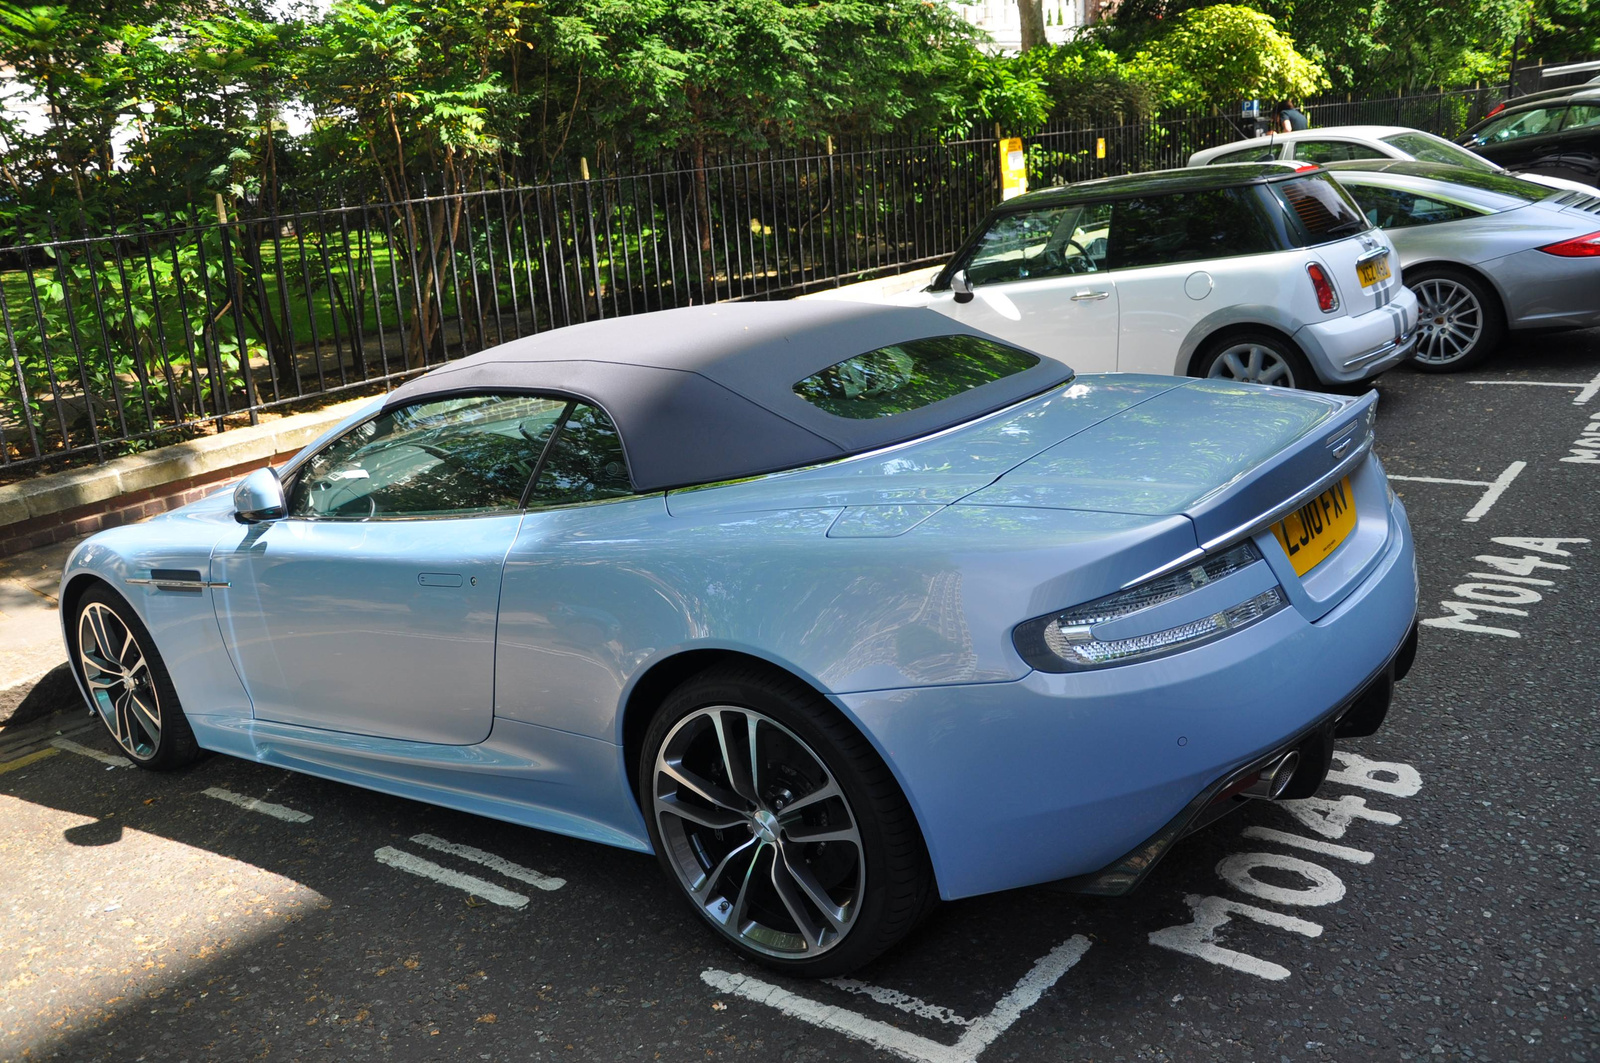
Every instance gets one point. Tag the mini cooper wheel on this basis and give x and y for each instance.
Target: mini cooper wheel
(1257, 358)
(1459, 321)
(780, 824)
(128, 685)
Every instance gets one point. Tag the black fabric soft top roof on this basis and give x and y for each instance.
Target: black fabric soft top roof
(706, 393)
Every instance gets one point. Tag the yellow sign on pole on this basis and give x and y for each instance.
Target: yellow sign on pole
(1013, 168)
(1100, 147)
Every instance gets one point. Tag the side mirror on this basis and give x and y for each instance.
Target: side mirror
(259, 497)
(961, 286)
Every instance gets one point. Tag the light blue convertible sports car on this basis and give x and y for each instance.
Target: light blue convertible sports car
(838, 609)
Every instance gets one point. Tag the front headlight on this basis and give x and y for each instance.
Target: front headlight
(1065, 641)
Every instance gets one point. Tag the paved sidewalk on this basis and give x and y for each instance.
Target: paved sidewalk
(30, 633)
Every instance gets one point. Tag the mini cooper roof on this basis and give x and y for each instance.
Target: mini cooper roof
(1186, 179)
(705, 394)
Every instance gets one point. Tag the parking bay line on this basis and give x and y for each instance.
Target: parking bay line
(1496, 488)
(27, 758)
(477, 887)
(108, 759)
(250, 804)
(493, 862)
(1587, 390)
(980, 1034)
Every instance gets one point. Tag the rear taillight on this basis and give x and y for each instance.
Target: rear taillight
(1327, 298)
(1577, 247)
(1307, 166)
(1496, 109)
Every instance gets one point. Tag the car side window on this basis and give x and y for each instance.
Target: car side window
(1187, 227)
(1526, 124)
(1394, 208)
(1266, 152)
(1582, 116)
(1321, 151)
(1048, 242)
(585, 463)
(442, 457)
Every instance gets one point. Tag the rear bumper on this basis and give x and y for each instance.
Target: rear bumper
(1548, 291)
(1344, 350)
(1056, 776)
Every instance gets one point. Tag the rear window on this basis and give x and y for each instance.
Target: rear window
(1501, 183)
(1425, 148)
(1323, 210)
(910, 375)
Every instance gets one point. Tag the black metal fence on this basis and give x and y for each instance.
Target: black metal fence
(115, 342)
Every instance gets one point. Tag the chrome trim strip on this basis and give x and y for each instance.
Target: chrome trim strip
(1403, 344)
(177, 584)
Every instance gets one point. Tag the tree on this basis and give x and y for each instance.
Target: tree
(1033, 34)
(1224, 53)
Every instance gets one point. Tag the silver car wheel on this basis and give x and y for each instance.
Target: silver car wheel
(1255, 363)
(759, 832)
(119, 680)
(1450, 318)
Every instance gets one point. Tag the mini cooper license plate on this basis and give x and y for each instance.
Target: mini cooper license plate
(1373, 270)
(1315, 530)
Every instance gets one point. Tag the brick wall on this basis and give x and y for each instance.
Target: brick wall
(124, 509)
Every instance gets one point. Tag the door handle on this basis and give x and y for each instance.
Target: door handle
(439, 579)
(1087, 296)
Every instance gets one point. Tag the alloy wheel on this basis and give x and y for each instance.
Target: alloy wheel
(759, 832)
(1451, 320)
(1255, 363)
(118, 676)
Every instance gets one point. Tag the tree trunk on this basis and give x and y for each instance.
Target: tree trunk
(1032, 12)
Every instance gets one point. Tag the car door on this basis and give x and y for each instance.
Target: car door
(1179, 257)
(1526, 141)
(1039, 280)
(1580, 143)
(371, 607)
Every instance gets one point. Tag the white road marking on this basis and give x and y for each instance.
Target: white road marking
(1587, 389)
(896, 999)
(1324, 886)
(1332, 818)
(1359, 771)
(1590, 390)
(1495, 488)
(1534, 383)
(93, 754)
(980, 1034)
(250, 804)
(1338, 852)
(491, 861)
(416, 865)
(1199, 938)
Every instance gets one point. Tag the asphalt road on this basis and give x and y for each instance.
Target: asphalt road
(1444, 904)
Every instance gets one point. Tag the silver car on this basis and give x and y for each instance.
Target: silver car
(1485, 253)
(1330, 144)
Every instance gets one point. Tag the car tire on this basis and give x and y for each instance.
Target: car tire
(1459, 320)
(759, 874)
(1256, 358)
(129, 687)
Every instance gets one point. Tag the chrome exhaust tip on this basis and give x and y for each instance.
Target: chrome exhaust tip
(1274, 778)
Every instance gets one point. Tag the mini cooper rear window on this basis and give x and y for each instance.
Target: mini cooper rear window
(910, 375)
(1324, 210)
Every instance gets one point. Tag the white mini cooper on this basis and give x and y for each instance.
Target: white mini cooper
(1263, 272)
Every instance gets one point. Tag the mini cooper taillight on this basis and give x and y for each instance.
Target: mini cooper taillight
(1067, 641)
(1327, 298)
(1577, 247)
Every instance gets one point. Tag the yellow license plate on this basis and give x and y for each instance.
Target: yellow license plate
(1315, 530)
(1373, 270)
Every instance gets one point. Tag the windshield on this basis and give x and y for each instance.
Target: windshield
(1428, 148)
